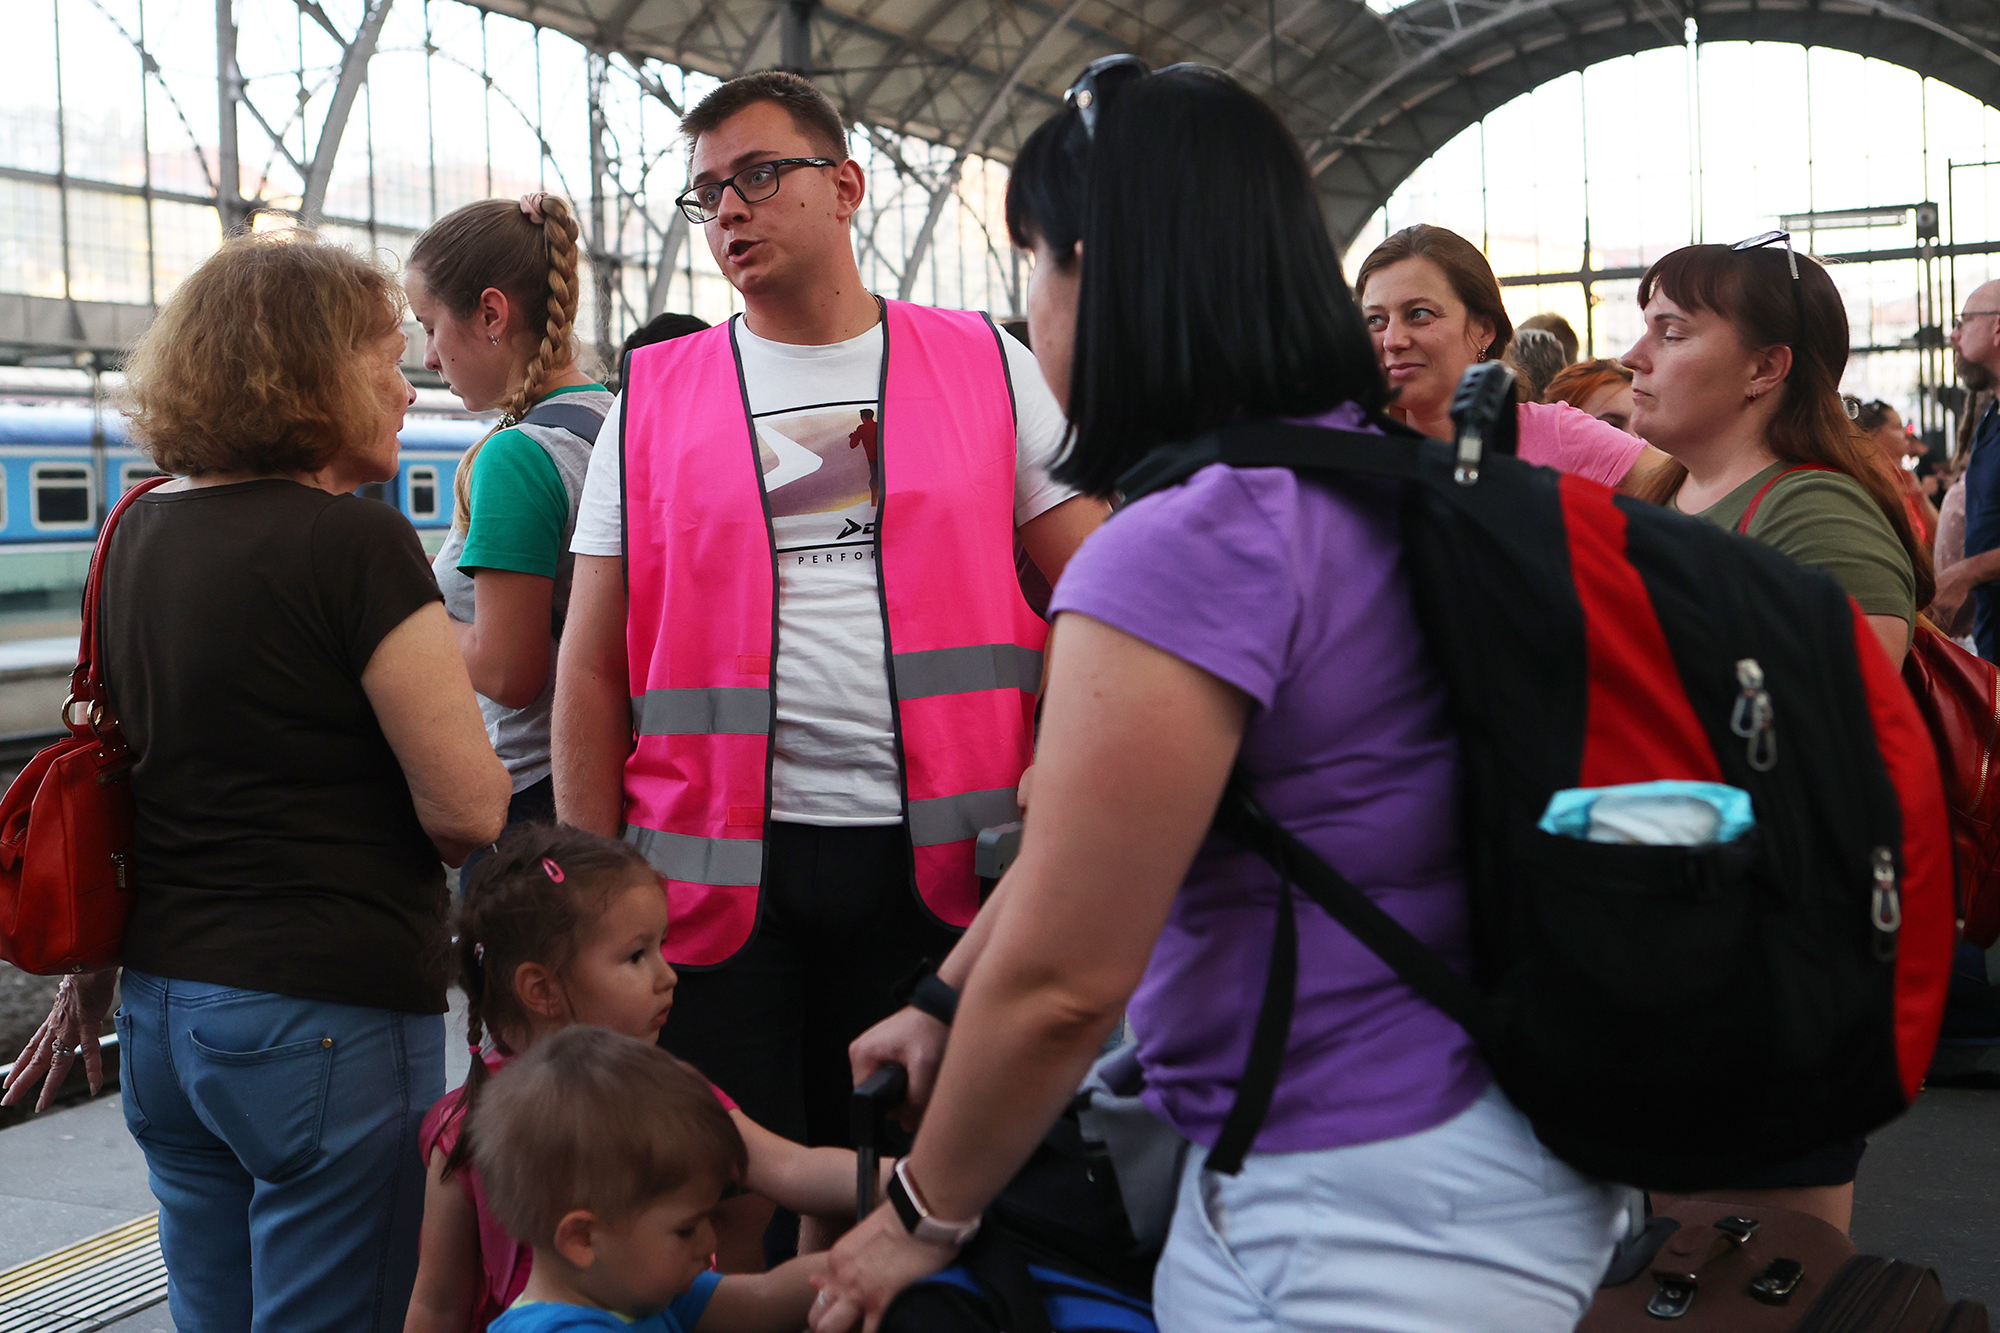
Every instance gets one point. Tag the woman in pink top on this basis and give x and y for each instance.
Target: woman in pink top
(1434, 309)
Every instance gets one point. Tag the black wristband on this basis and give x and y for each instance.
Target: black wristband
(936, 998)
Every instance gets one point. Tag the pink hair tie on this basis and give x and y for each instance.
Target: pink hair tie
(552, 870)
(531, 205)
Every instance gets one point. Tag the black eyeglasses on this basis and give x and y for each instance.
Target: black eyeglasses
(753, 185)
(1959, 323)
(1103, 77)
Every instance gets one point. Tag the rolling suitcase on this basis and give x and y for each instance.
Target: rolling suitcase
(1719, 1268)
(1874, 1295)
(1726, 1268)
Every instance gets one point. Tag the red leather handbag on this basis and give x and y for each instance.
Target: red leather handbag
(1959, 697)
(66, 822)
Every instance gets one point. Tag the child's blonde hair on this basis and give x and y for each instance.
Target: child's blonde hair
(531, 901)
(592, 1119)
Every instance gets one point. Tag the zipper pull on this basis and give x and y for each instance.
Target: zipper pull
(118, 864)
(1752, 719)
(1885, 904)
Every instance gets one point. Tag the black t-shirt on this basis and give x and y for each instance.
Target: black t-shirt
(277, 847)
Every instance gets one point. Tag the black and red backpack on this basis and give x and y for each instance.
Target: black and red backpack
(1671, 1016)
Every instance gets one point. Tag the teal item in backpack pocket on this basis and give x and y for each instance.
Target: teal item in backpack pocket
(1666, 813)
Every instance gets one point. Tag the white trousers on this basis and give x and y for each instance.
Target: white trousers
(1470, 1227)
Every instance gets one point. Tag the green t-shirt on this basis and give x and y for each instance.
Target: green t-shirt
(1828, 521)
(519, 504)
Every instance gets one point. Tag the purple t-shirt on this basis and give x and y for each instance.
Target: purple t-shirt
(1296, 594)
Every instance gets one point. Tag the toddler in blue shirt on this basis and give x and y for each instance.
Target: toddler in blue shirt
(607, 1157)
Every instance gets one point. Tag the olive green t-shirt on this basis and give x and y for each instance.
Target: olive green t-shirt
(1828, 521)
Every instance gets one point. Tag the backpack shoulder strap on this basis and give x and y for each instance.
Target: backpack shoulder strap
(580, 421)
(1750, 510)
(1392, 452)
(1242, 818)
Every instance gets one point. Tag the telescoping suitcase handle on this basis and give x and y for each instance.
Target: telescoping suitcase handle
(868, 1116)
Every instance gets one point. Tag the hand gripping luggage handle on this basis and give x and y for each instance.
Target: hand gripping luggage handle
(86, 681)
(879, 1094)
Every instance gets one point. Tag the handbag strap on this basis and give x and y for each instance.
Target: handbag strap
(86, 682)
(1750, 510)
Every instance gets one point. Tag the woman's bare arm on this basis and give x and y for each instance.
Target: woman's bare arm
(417, 684)
(507, 647)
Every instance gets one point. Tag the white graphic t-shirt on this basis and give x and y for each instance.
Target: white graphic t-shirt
(816, 414)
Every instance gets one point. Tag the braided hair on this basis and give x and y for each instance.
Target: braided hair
(518, 909)
(527, 249)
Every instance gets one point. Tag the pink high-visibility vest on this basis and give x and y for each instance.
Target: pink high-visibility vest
(702, 618)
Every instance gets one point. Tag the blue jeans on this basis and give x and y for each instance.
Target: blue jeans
(281, 1141)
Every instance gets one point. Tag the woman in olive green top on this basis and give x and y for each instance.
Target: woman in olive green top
(1737, 379)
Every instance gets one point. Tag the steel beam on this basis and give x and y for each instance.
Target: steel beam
(975, 140)
(353, 73)
(229, 201)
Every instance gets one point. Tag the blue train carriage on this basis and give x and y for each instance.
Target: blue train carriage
(58, 476)
(422, 487)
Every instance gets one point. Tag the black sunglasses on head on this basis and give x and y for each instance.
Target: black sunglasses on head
(1758, 242)
(1102, 78)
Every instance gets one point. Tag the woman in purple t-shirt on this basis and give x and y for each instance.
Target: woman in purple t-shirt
(1183, 280)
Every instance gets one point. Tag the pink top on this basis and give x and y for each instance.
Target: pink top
(504, 1263)
(1571, 440)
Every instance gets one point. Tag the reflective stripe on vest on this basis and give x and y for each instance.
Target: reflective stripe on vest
(701, 627)
(733, 711)
(980, 666)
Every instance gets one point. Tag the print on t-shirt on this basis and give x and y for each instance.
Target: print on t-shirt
(823, 475)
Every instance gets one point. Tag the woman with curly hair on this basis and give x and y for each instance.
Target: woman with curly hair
(307, 749)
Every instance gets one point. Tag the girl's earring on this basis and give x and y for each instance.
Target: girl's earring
(493, 339)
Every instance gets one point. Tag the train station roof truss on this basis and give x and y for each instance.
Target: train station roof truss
(1371, 90)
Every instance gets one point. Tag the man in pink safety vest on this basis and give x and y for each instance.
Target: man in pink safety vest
(800, 674)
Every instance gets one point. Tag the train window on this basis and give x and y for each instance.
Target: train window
(62, 495)
(423, 492)
(131, 474)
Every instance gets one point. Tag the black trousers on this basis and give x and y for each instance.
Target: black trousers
(840, 928)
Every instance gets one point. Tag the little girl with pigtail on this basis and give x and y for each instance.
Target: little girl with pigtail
(559, 926)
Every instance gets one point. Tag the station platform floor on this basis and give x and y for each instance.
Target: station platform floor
(77, 1252)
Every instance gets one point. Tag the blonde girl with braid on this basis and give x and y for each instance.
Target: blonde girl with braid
(495, 287)
(560, 927)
